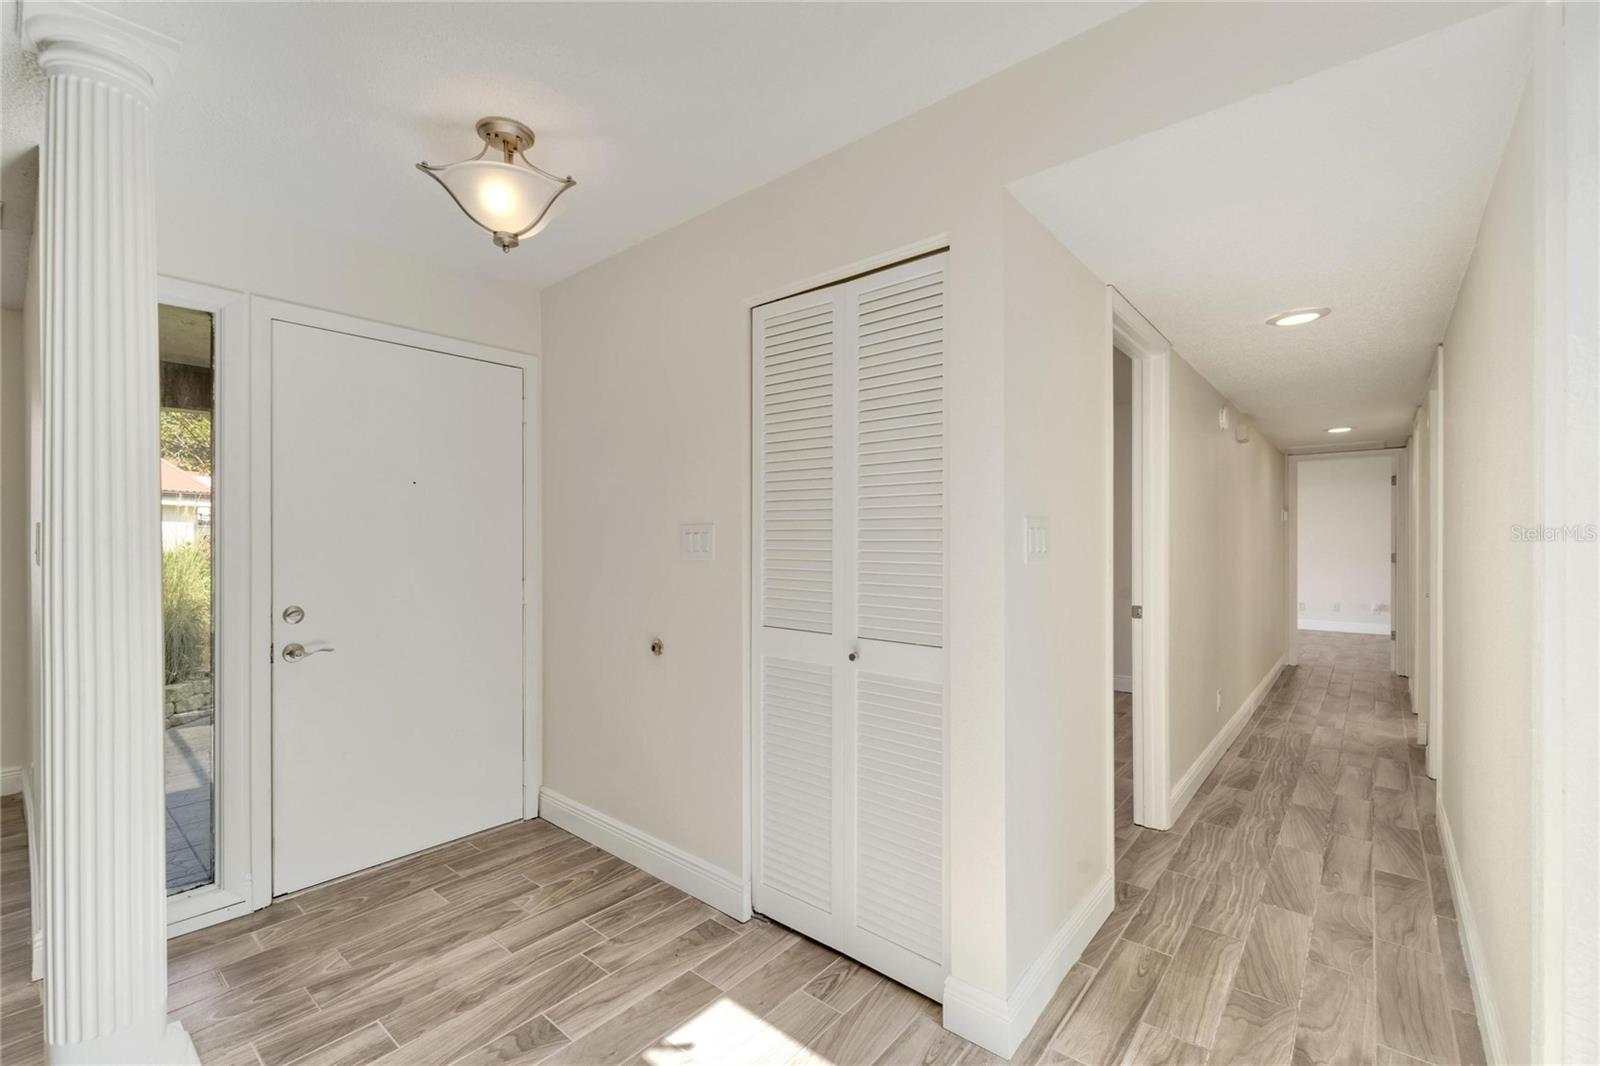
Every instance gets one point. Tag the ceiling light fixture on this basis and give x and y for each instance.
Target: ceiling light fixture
(1298, 317)
(1340, 429)
(510, 200)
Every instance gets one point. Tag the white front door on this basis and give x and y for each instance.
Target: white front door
(849, 662)
(397, 678)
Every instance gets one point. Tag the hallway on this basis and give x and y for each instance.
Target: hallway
(1298, 911)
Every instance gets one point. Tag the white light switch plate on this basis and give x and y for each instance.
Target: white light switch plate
(697, 541)
(1035, 537)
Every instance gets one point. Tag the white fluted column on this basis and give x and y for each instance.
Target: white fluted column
(102, 825)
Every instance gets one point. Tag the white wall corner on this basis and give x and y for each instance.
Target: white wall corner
(706, 882)
(1494, 1040)
(1185, 788)
(1000, 1023)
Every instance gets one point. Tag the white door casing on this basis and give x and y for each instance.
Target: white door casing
(1436, 533)
(397, 527)
(1421, 570)
(1396, 525)
(1151, 354)
(850, 770)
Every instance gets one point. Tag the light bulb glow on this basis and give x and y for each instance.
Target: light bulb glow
(1298, 317)
(498, 199)
(1340, 429)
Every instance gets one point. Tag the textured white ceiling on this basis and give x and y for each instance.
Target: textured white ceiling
(1360, 189)
(316, 113)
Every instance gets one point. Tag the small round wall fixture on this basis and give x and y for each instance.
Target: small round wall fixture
(506, 195)
(1341, 429)
(1299, 316)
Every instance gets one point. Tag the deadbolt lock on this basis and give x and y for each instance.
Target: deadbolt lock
(294, 615)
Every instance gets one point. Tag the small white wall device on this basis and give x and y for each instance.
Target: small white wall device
(698, 541)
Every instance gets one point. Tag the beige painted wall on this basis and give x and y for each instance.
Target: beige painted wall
(1485, 788)
(1058, 692)
(14, 718)
(1227, 567)
(647, 423)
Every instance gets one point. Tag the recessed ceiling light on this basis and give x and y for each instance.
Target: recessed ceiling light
(1298, 317)
(1340, 429)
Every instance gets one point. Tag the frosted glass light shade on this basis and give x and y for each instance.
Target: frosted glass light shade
(512, 199)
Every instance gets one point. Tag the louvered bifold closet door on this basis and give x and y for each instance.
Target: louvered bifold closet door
(798, 872)
(898, 743)
(849, 663)
(797, 368)
(900, 459)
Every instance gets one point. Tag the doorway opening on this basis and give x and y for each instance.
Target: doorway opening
(1142, 616)
(1122, 624)
(1347, 545)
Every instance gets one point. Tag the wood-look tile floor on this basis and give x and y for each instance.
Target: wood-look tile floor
(521, 944)
(1298, 913)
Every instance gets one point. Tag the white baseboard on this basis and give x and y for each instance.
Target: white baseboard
(1377, 629)
(1183, 791)
(712, 884)
(1494, 1041)
(12, 780)
(35, 890)
(1000, 1023)
(1121, 682)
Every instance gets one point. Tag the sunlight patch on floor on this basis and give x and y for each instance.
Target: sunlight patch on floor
(725, 1034)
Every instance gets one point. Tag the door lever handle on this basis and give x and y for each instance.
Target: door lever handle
(293, 653)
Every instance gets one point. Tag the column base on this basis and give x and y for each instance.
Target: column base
(165, 1044)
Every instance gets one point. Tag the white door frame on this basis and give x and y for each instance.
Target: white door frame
(1291, 547)
(1399, 553)
(1421, 572)
(1435, 724)
(263, 313)
(1402, 518)
(229, 893)
(1151, 354)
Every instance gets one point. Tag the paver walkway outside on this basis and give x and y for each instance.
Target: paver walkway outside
(190, 851)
